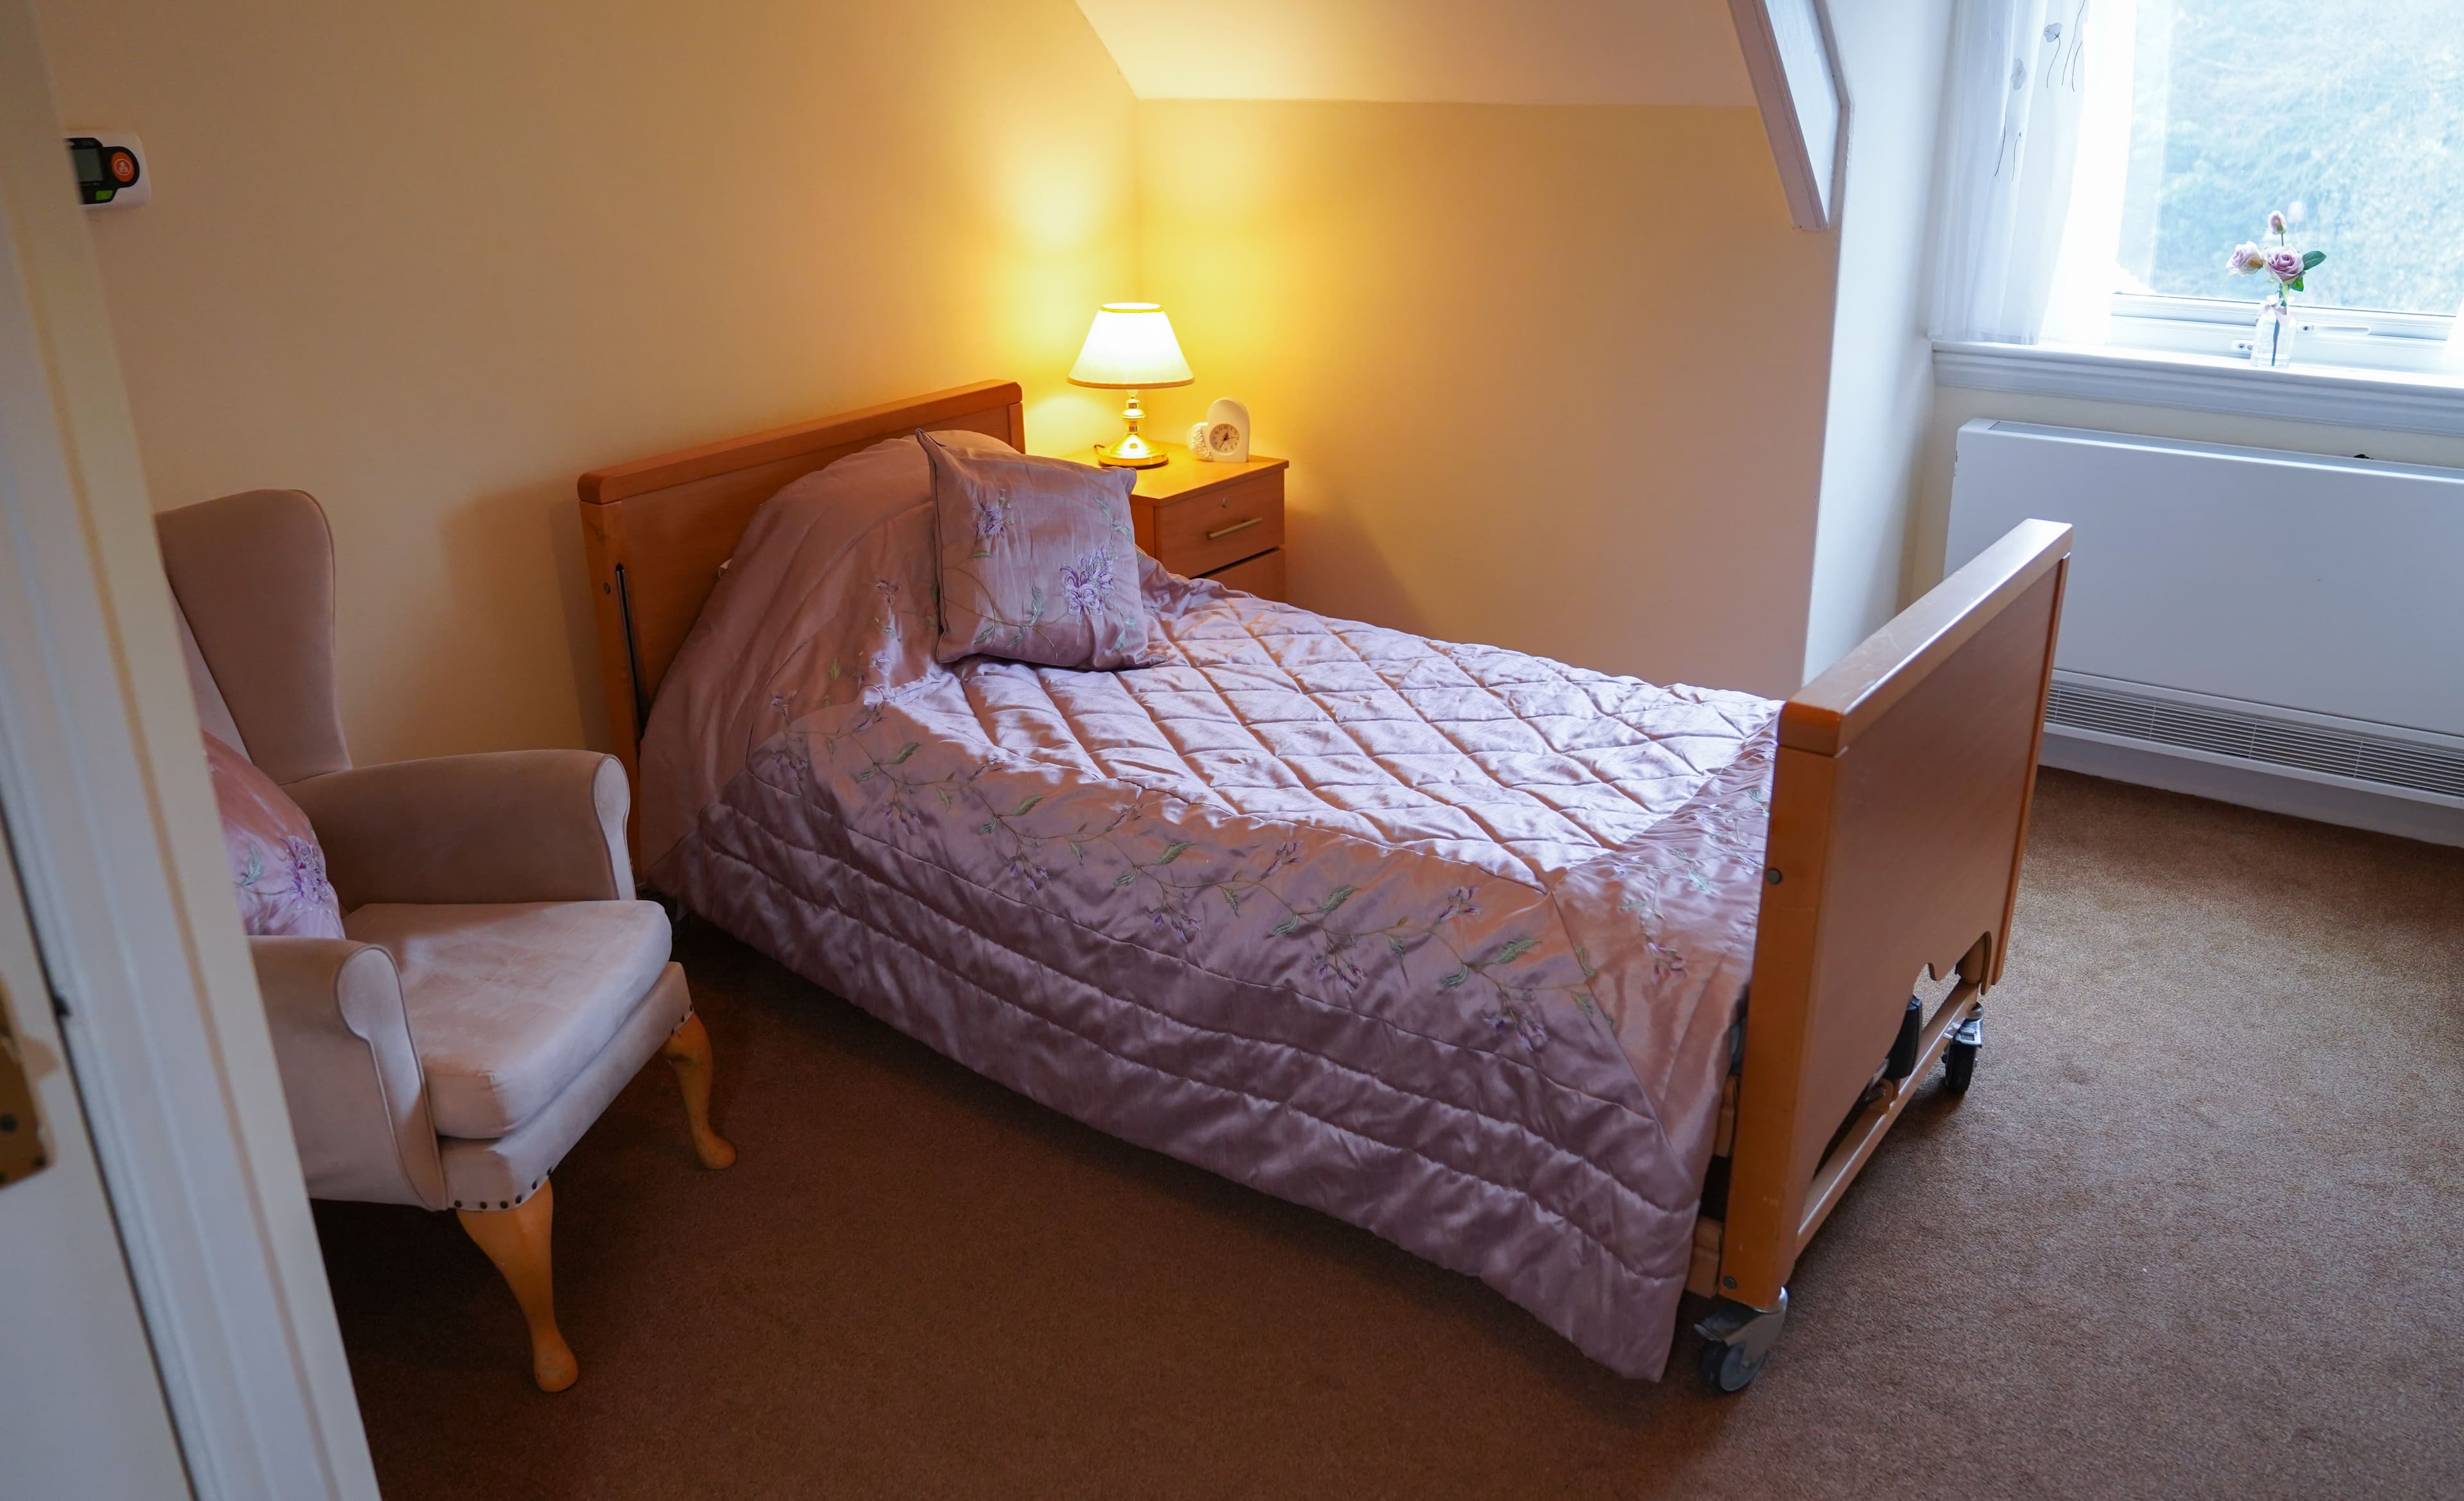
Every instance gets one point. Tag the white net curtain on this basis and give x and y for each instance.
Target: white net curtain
(2037, 159)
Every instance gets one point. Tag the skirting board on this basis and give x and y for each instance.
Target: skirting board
(2327, 803)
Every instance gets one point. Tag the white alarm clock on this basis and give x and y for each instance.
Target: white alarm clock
(1223, 437)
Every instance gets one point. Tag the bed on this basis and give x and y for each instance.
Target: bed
(1449, 941)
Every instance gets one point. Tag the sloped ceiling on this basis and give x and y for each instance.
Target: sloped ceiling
(1467, 52)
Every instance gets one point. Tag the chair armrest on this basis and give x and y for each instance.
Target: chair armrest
(506, 826)
(357, 1096)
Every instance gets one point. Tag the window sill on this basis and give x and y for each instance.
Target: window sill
(2385, 400)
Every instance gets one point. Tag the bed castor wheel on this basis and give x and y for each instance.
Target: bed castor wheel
(1737, 1340)
(1959, 1059)
(1728, 1368)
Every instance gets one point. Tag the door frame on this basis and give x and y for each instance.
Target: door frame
(119, 849)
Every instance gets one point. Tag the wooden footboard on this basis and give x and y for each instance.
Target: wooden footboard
(1898, 814)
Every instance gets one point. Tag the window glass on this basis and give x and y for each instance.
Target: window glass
(2347, 115)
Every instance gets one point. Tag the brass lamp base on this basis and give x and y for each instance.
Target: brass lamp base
(1132, 451)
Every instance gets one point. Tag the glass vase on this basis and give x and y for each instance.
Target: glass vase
(2271, 341)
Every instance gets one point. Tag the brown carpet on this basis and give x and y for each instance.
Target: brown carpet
(2198, 1231)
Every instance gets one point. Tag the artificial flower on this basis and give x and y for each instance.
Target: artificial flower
(2246, 258)
(2276, 222)
(2285, 265)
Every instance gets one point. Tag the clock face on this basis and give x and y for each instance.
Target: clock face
(1222, 437)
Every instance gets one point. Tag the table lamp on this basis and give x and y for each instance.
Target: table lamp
(1130, 348)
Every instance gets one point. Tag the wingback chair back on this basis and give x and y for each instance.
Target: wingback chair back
(253, 575)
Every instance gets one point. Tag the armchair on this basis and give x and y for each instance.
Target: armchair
(498, 981)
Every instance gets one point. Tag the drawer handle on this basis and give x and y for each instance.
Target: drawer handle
(1222, 531)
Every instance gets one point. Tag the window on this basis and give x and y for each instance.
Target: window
(2346, 115)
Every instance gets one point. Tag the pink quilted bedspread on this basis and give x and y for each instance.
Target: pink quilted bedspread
(1445, 940)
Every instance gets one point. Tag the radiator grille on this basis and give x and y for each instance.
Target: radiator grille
(2380, 759)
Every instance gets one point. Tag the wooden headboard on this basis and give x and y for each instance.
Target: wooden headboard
(658, 529)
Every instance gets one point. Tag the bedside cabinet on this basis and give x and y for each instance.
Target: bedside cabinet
(1220, 521)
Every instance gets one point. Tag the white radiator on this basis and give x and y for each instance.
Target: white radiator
(2277, 630)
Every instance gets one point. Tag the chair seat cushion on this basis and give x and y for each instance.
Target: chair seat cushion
(507, 1004)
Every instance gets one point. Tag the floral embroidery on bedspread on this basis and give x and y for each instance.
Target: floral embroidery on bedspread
(1643, 945)
(1327, 913)
(1491, 849)
(877, 645)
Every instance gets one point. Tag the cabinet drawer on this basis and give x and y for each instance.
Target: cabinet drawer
(1262, 575)
(1200, 533)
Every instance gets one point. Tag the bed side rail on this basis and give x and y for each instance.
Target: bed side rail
(1898, 814)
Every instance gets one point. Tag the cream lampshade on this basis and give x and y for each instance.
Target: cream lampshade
(1131, 348)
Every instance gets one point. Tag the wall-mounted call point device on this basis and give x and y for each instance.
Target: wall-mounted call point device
(110, 170)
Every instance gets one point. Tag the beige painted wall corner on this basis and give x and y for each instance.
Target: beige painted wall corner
(1548, 376)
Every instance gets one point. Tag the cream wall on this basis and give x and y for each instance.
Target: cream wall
(1551, 376)
(1548, 376)
(432, 261)
(1953, 405)
(1892, 53)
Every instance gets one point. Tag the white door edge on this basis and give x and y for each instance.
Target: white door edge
(120, 852)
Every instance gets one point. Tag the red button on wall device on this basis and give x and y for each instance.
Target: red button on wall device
(123, 166)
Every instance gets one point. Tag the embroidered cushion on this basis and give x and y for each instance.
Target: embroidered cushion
(1038, 562)
(277, 868)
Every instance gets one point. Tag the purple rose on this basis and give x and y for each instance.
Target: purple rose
(2285, 265)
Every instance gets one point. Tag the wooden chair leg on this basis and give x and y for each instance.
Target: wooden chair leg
(688, 1051)
(517, 1240)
